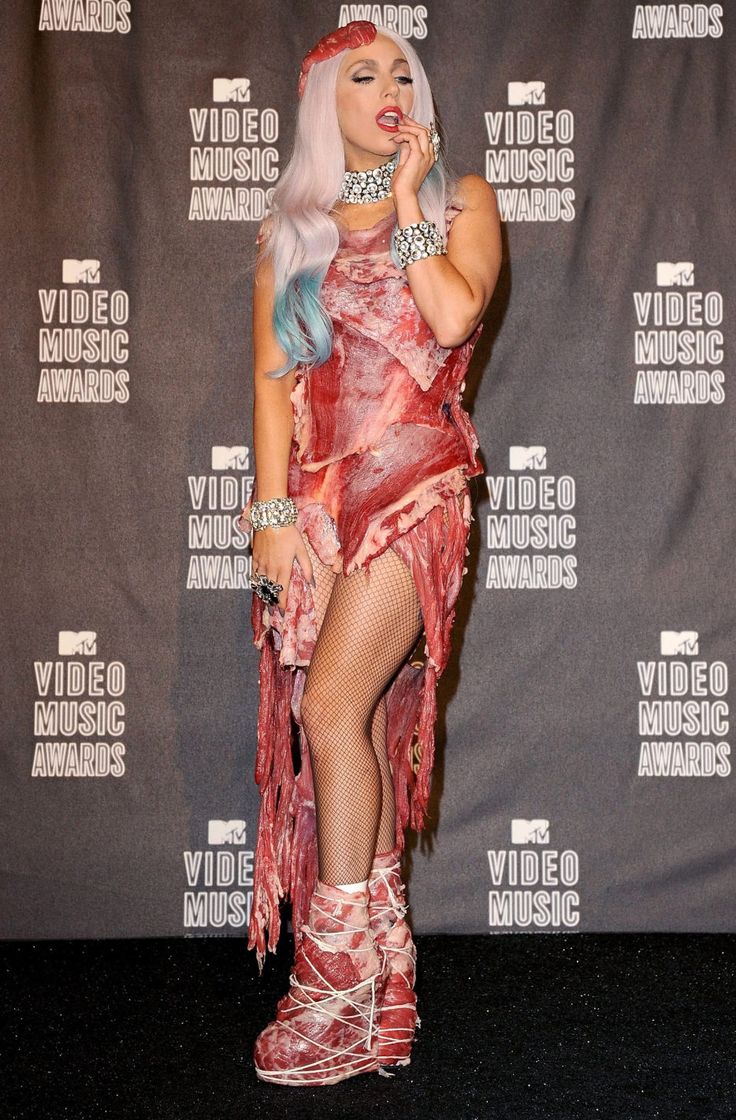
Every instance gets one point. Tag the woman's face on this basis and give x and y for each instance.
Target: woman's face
(371, 79)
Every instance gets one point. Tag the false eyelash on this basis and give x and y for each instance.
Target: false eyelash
(369, 78)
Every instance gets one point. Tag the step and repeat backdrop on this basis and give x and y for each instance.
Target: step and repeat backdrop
(584, 773)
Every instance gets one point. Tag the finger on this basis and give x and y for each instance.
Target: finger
(424, 141)
(419, 129)
(283, 578)
(404, 153)
(425, 138)
(409, 130)
(304, 562)
(410, 139)
(414, 145)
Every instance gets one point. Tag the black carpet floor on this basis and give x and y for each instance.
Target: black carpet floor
(513, 1026)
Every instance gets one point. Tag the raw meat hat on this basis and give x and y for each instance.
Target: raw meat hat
(357, 33)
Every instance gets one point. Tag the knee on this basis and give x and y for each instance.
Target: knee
(329, 715)
(319, 711)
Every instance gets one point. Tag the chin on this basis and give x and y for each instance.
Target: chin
(386, 149)
(381, 150)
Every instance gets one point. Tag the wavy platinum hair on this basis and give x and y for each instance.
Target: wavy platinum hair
(300, 236)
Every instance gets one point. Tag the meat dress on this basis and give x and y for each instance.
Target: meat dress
(380, 457)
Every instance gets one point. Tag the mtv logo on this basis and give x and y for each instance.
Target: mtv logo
(80, 272)
(231, 89)
(527, 458)
(674, 642)
(675, 273)
(526, 93)
(226, 832)
(75, 643)
(529, 832)
(229, 458)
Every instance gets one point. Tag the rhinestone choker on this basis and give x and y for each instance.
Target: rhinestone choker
(368, 186)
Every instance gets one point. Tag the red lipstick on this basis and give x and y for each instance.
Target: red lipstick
(386, 126)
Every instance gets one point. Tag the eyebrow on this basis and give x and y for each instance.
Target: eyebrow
(372, 62)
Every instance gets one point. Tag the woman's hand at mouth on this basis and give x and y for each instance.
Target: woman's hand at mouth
(416, 158)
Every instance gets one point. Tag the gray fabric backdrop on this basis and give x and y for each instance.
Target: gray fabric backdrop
(583, 779)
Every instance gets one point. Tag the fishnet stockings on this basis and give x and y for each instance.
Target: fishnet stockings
(368, 623)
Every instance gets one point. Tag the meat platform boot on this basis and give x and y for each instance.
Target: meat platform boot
(326, 1025)
(386, 911)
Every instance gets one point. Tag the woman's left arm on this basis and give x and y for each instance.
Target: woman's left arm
(452, 291)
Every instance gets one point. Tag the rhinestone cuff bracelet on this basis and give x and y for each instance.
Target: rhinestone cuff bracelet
(420, 239)
(275, 512)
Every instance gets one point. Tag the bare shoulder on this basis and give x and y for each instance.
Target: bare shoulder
(476, 193)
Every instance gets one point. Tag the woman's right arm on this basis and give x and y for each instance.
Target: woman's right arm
(274, 548)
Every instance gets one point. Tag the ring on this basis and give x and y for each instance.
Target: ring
(265, 588)
(434, 137)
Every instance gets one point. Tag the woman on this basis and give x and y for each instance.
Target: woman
(366, 310)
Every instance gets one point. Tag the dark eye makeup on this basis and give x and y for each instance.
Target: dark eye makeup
(369, 78)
